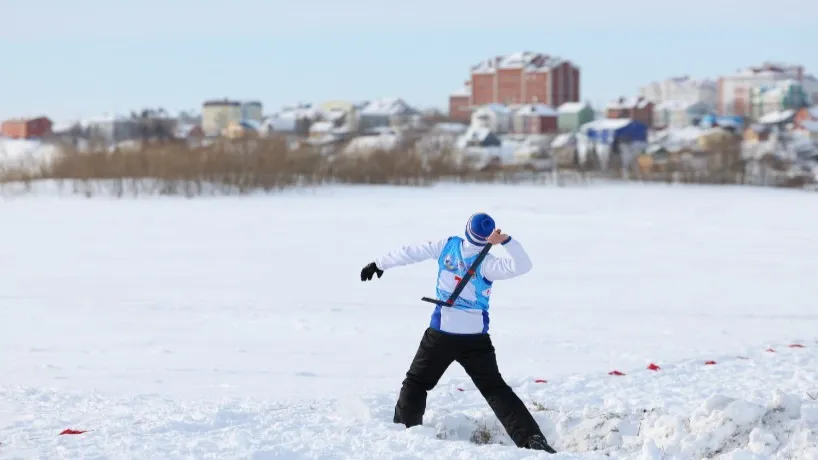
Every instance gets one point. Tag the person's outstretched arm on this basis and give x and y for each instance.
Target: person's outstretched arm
(503, 268)
(403, 255)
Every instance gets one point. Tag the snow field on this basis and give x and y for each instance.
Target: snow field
(238, 327)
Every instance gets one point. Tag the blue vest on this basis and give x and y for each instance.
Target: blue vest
(470, 312)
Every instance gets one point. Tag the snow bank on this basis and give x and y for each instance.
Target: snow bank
(25, 155)
(754, 408)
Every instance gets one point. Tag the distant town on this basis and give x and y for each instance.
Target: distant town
(511, 109)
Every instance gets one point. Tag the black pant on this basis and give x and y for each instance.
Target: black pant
(475, 353)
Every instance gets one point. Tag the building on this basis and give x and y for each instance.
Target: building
(783, 95)
(682, 89)
(734, 91)
(27, 128)
(218, 114)
(523, 78)
(460, 104)
(572, 115)
(638, 108)
(677, 114)
(384, 113)
(534, 119)
(252, 110)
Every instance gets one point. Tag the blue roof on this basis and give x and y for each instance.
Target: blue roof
(607, 130)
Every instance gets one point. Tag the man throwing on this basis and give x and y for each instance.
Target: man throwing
(460, 332)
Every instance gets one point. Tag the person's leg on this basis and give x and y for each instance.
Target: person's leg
(480, 362)
(430, 362)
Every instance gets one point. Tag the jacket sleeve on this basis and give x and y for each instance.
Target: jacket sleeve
(503, 268)
(410, 254)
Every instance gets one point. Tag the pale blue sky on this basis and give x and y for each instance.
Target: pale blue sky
(85, 57)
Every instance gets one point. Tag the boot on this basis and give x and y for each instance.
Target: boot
(538, 442)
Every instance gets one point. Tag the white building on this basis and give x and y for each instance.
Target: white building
(252, 110)
(218, 114)
(735, 91)
(681, 89)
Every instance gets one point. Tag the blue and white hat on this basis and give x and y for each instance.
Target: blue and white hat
(478, 228)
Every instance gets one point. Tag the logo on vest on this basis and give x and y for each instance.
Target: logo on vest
(450, 264)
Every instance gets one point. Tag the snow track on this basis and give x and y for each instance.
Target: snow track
(758, 406)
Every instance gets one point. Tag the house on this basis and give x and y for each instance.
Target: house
(608, 131)
(27, 128)
(679, 114)
(606, 137)
(344, 115)
(638, 109)
(525, 77)
(497, 118)
(479, 136)
(385, 112)
(572, 115)
(218, 114)
(192, 134)
(534, 119)
(291, 120)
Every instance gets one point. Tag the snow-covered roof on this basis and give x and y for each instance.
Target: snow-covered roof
(536, 110)
(572, 107)
(496, 108)
(474, 134)
(321, 127)
(464, 91)
(387, 106)
(606, 123)
(777, 117)
(528, 60)
(562, 140)
(628, 103)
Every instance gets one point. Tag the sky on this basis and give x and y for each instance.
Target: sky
(88, 57)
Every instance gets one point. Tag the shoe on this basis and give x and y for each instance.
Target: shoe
(538, 442)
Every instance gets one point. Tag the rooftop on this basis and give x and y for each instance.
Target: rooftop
(638, 102)
(527, 60)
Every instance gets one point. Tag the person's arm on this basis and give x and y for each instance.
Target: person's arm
(410, 254)
(503, 268)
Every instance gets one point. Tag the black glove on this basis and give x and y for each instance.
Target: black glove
(369, 270)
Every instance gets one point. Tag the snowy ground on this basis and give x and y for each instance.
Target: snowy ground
(238, 328)
(25, 155)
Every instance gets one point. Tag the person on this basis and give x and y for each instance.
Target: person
(460, 332)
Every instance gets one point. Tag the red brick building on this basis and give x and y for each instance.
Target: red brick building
(638, 108)
(519, 78)
(26, 128)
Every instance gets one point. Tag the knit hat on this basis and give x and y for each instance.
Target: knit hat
(478, 228)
